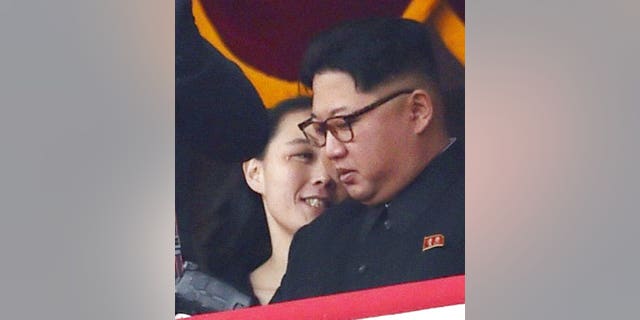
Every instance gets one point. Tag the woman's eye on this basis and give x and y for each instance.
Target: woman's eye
(304, 156)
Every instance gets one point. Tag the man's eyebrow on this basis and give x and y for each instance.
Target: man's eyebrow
(337, 110)
(298, 141)
(332, 113)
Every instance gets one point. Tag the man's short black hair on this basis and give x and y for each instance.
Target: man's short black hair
(371, 51)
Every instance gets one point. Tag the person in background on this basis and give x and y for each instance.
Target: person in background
(220, 120)
(377, 118)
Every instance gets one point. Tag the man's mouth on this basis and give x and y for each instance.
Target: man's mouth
(345, 175)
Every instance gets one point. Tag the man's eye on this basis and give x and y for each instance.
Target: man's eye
(339, 124)
(319, 130)
(342, 125)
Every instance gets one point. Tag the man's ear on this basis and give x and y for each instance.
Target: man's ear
(252, 169)
(421, 110)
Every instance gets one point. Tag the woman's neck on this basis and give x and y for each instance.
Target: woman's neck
(265, 280)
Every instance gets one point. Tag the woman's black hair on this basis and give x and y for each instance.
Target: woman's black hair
(275, 115)
(237, 238)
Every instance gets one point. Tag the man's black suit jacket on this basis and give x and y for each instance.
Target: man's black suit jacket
(419, 235)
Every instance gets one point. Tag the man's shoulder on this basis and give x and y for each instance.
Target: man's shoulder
(340, 216)
(345, 211)
(324, 236)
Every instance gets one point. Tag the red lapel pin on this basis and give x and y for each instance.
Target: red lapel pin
(433, 241)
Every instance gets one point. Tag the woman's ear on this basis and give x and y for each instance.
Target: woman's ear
(252, 169)
(421, 110)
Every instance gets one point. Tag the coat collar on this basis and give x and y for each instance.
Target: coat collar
(423, 193)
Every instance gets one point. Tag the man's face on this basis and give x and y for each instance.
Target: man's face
(296, 186)
(369, 165)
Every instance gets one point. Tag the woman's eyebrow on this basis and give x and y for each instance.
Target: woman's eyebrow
(298, 141)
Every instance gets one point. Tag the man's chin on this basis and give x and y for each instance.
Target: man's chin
(357, 193)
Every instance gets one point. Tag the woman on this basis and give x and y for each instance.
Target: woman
(258, 209)
(294, 186)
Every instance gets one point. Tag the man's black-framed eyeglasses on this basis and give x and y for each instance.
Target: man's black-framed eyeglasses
(340, 126)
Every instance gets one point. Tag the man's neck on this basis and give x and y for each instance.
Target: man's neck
(432, 147)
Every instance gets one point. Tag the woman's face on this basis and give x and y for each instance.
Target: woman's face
(294, 184)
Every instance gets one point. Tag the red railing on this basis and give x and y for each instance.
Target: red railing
(359, 304)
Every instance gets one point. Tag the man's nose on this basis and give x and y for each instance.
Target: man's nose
(334, 148)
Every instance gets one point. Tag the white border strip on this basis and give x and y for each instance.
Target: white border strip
(448, 312)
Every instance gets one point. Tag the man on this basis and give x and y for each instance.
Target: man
(378, 119)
